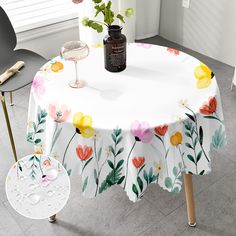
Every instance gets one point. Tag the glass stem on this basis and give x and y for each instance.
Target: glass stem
(76, 73)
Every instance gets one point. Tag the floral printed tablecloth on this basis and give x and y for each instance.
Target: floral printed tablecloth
(148, 124)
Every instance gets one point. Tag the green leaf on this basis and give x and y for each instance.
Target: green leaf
(110, 164)
(202, 172)
(200, 135)
(168, 182)
(97, 1)
(119, 140)
(112, 150)
(175, 171)
(188, 134)
(120, 151)
(135, 190)
(120, 17)
(180, 165)
(190, 157)
(99, 153)
(140, 183)
(69, 172)
(195, 141)
(145, 176)
(219, 138)
(113, 137)
(31, 158)
(37, 141)
(85, 183)
(188, 125)
(112, 178)
(199, 156)
(95, 176)
(42, 122)
(40, 131)
(188, 145)
(37, 159)
(190, 117)
(121, 180)
(211, 117)
(118, 132)
(119, 164)
(129, 12)
(34, 126)
(87, 162)
(150, 175)
(175, 190)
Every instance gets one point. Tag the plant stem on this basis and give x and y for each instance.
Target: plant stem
(64, 156)
(181, 154)
(127, 164)
(53, 136)
(95, 152)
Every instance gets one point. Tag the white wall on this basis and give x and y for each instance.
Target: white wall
(208, 27)
(47, 41)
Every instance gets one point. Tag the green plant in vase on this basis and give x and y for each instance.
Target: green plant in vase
(115, 42)
(109, 16)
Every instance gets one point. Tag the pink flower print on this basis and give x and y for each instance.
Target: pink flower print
(58, 113)
(174, 51)
(141, 131)
(77, 1)
(38, 86)
(144, 45)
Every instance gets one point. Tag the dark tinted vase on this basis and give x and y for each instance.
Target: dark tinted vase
(115, 49)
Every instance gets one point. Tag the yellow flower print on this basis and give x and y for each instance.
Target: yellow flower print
(176, 138)
(57, 66)
(203, 74)
(83, 124)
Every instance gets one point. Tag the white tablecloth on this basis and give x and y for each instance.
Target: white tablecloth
(148, 124)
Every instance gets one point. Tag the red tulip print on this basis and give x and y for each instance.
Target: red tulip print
(161, 130)
(208, 108)
(138, 161)
(84, 153)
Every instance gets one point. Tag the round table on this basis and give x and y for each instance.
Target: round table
(148, 124)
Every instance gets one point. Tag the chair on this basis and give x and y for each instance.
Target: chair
(8, 57)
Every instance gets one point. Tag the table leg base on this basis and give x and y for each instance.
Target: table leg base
(192, 224)
(52, 219)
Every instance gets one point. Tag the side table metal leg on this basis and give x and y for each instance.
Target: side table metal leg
(188, 184)
(8, 126)
(52, 219)
(11, 100)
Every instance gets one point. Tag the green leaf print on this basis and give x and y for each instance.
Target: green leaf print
(135, 190)
(31, 135)
(140, 183)
(114, 177)
(85, 183)
(174, 185)
(168, 182)
(219, 138)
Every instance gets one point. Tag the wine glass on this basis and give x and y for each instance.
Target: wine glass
(75, 51)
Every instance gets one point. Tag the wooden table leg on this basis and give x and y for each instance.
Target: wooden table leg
(188, 185)
(52, 219)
